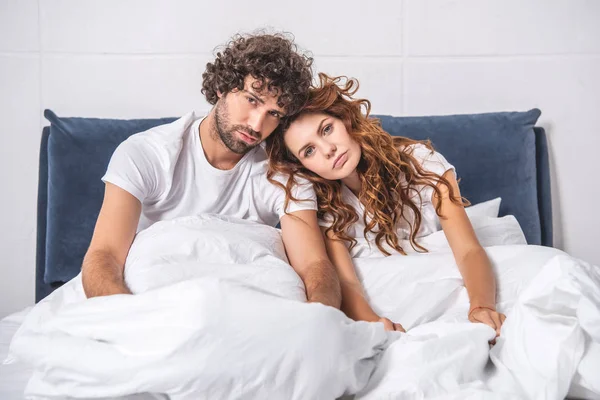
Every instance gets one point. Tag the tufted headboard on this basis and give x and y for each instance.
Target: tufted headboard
(495, 155)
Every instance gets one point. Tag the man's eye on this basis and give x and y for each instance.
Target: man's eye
(308, 152)
(275, 114)
(251, 100)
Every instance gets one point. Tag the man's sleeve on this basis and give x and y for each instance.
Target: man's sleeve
(134, 167)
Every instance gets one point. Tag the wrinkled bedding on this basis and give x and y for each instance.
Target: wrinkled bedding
(219, 313)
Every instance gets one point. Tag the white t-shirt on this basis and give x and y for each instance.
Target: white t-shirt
(366, 247)
(166, 169)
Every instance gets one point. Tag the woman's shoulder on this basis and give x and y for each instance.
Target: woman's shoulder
(428, 157)
(418, 150)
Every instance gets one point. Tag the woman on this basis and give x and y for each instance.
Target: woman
(375, 188)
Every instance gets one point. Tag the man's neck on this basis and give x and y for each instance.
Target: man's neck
(215, 151)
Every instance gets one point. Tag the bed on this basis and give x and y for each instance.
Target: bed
(496, 155)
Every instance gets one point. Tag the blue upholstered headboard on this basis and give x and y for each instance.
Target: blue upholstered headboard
(495, 155)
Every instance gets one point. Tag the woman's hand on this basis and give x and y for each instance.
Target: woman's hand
(489, 317)
(391, 326)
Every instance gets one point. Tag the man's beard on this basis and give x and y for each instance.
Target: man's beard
(228, 133)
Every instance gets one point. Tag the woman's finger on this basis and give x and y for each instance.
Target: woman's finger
(399, 328)
(387, 324)
(484, 318)
(497, 321)
(502, 317)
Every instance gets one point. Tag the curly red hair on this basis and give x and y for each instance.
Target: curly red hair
(384, 161)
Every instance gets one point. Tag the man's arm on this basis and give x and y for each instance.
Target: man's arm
(306, 252)
(104, 262)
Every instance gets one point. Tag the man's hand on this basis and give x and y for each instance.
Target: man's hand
(327, 294)
(104, 262)
(322, 284)
(306, 252)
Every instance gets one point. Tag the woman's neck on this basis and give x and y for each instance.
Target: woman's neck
(353, 182)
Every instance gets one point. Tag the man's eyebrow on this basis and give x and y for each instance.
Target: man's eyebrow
(261, 101)
(318, 130)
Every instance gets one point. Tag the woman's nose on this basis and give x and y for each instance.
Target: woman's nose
(330, 150)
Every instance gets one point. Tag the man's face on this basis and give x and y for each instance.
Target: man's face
(244, 118)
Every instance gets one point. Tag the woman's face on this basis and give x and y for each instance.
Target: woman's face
(323, 145)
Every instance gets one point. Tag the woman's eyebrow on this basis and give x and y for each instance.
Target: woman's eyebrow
(321, 125)
(318, 130)
(302, 148)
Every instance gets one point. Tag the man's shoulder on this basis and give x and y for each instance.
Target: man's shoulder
(161, 144)
(259, 155)
(257, 163)
(166, 134)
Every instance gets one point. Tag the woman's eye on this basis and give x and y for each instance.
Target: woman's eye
(327, 129)
(308, 152)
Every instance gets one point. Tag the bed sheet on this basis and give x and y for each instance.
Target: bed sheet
(14, 377)
(547, 293)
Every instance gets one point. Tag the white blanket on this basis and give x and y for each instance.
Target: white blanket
(549, 343)
(218, 313)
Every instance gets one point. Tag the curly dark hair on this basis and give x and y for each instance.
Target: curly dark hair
(273, 59)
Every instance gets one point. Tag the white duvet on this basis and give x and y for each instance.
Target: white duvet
(219, 314)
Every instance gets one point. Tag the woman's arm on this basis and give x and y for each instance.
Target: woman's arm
(354, 303)
(472, 260)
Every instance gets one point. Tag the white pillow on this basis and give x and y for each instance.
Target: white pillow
(489, 208)
(498, 231)
(490, 231)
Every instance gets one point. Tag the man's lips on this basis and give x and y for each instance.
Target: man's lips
(246, 137)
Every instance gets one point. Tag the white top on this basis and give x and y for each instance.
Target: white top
(422, 195)
(166, 169)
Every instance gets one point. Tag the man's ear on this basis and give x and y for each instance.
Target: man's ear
(219, 94)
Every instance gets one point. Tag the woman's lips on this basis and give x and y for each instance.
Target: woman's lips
(341, 160)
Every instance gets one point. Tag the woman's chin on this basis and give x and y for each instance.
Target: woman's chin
(340, 175)
(337, 174)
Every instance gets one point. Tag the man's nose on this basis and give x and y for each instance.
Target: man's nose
(256, 121)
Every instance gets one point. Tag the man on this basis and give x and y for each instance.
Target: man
(215, 165)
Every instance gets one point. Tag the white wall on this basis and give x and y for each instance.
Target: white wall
(145, 58)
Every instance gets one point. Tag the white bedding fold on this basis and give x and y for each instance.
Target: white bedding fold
(548, 346)
(220, 314)
(202, 338)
